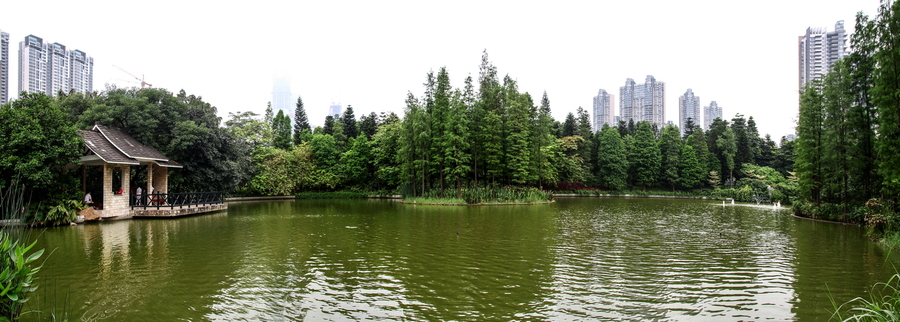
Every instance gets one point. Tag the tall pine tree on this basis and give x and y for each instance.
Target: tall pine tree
(302, 130)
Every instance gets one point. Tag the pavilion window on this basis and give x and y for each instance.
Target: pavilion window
(117, 180)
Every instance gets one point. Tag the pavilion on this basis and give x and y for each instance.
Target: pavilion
(116, 152)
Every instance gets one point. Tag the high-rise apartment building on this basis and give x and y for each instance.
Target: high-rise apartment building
(50, 68)
(819, 50)
(603, 110)
(643, 102)
(688, 108)
(710, 113)
(281, 97)
(4, 67)
(335, 109)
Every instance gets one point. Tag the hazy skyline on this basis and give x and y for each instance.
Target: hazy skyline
(368, 55)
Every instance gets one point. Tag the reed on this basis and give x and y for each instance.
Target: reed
(17, 267)
(883, 304)
(481, 195)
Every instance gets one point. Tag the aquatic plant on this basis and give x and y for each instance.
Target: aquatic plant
(17, 272)
(883, 304)
(482, 195)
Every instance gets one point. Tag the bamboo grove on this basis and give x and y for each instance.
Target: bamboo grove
(848, 150)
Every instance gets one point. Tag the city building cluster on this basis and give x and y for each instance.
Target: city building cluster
(46, 67)
(646, 102)
(819, 49)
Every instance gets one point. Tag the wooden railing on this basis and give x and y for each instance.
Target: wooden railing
(179, 200)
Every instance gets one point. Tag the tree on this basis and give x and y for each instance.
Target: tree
(38, 142)
(689, 127)
(586, 149)
(837, 100)
(439, 111)
(767, 150)
(728, 146)
(884, 95)
(698, 142)
(784, 157)
(543, 138)
(349, 120)
(340, 136)
(254, 132)
(612, 161)
(269, 115)
(744, 152)
(328, 127)
(356, 165)
(489, 123)
(568, 128)
(716, 161)
(519, 149)
(368, 124)
(324, 151)
(385, 148)
(456, 137)
(281, 128)
(274, 175)
(414, 133)
(690, 172)
(810, 143)
(863, 112)
(182, 127)
(670, 152)
(302, 130)
(644, 156)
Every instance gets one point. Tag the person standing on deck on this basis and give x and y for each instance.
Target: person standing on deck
(137, 196)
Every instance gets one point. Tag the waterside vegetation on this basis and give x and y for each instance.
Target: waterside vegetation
(18, 267)
(847, 160)
(449, 144)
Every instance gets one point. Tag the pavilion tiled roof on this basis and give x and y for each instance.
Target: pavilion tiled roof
(128, 145)
(103, 149)
(114, 146)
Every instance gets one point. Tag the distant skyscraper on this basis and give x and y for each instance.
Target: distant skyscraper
(603, 110)
(335, 109)
(281, 97)
(50, 68)
(710, 113)
(644, 102)
(688, 108)
(819, 50)
(4, 67)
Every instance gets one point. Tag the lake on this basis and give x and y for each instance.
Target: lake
(575, 259)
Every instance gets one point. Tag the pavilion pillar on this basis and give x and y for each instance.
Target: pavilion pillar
(161, 179)
(147, 189)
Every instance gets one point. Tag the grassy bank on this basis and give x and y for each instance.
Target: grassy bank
(485, 195)
(340, 194)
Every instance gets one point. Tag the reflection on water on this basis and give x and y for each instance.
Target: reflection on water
(576, 259)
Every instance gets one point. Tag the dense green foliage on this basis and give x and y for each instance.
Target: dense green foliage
(38, 142)
(281, 129)
(848, 150)
(485, 135)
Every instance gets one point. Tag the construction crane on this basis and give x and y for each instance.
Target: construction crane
(141, 79)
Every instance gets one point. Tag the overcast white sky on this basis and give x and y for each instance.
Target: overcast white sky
(370, 53)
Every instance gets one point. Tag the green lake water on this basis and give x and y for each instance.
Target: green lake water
(575, 259)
